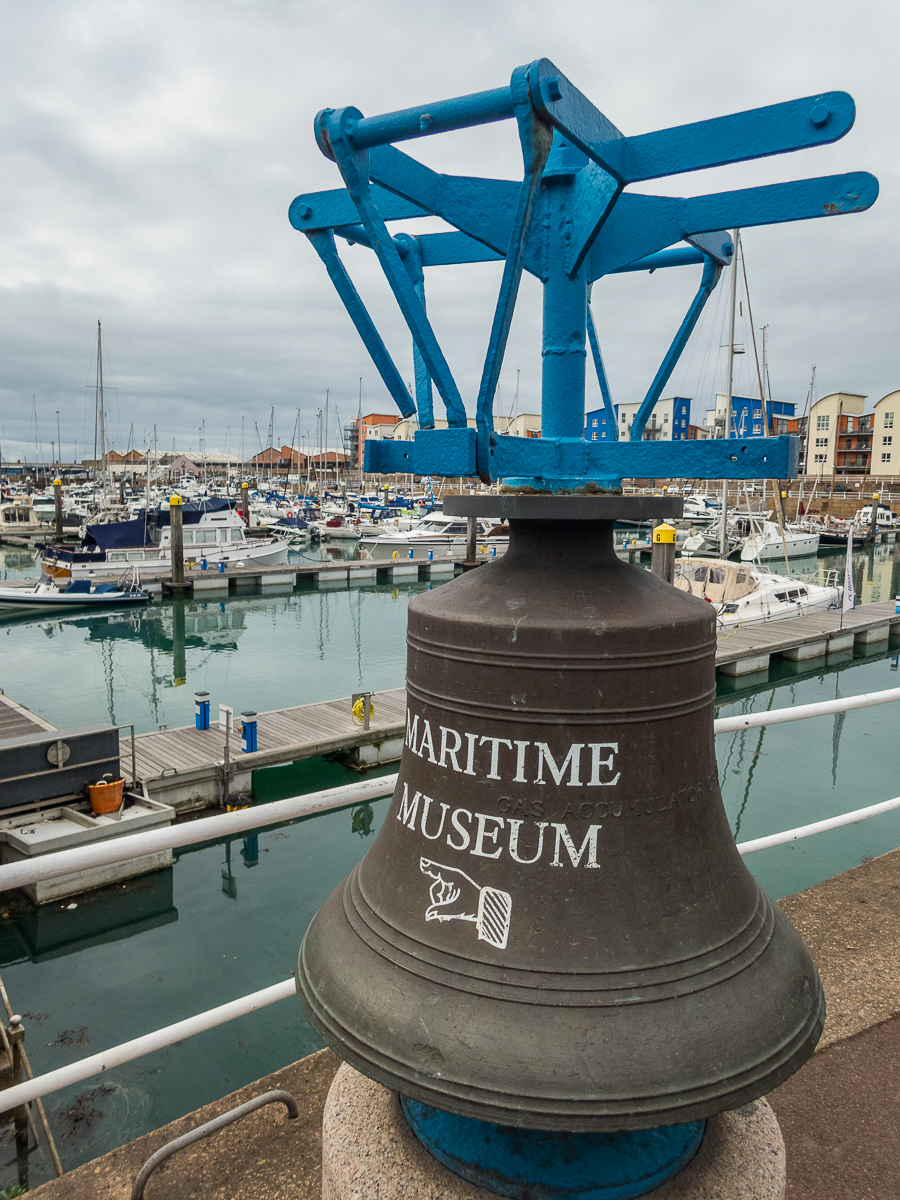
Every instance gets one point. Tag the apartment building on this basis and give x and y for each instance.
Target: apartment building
(885, 455)
(825, 427)
(668, 422)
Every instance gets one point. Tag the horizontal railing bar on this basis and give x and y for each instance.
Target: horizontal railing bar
(24, 1093)
(96, 1064)
(804, 831)
(801, 711)
(152, 841)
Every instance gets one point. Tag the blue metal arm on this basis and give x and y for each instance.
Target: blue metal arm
(412, 258)
(600, 368)
(708, 281)
(641, 225)
(354, 168)
(323, 241)
(535, 139)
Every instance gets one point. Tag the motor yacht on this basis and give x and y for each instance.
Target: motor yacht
(212, 530)
(440, 534)
(742, 595)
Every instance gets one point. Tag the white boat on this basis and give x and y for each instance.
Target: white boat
(886, 519)
(767, 543)
(442, 535)
(19, 517)
(212, 530)
(742, 595)
(77, 593)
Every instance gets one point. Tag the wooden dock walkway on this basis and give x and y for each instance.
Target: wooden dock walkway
(18, 721)
(187, 767)
(822, 635)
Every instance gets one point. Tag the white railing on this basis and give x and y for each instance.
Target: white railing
(135, 845)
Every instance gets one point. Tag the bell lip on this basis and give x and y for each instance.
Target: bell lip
(603, 1117)
(552, 1113)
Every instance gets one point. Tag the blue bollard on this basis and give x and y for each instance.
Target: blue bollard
(202, 564)
(201, 710)
(248, 732)
(493, 551)
(897, 604)
(431, 556)
(410, 552)
(222, 566)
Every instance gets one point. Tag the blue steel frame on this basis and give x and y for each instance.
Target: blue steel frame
(569, 222)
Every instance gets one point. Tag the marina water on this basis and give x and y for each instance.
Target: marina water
(227, 918)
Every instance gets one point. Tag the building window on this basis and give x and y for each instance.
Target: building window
(593, 435)
(889, 420)
(821, 441)
(602, 421)
(887, 441)
(757, 414)
(666, 418)
(757, 428)
(822, 422)
(885, 458)
(819, 458)
(594, 423)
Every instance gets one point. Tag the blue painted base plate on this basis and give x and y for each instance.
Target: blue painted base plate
(533, 1164)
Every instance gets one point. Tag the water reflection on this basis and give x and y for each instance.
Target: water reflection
(42, 932)
(362, 817)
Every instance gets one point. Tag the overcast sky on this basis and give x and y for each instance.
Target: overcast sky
(151, 149)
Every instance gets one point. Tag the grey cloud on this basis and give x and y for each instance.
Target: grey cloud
(150, 151)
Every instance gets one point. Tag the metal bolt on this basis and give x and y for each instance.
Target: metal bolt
(425, 122)
(305, 212)
(819, 115)
(553, 89)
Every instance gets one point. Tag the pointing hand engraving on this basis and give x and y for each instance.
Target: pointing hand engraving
(457, 897)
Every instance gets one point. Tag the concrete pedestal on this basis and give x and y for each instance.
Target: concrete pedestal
(369, 1152)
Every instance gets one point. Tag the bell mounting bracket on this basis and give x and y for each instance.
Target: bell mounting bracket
(570, 221)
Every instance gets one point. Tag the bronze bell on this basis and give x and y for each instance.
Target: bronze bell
(553, 928)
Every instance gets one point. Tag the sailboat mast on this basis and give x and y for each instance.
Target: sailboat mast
(723, 516)
(359, 441)
(325, 436)
(105, 468)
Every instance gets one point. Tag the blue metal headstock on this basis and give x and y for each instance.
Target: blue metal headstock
(569, 222)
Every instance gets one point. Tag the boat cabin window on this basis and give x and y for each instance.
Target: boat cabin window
(223, 535)
(237, 535)
(115, 557)
(204, 536)
(135, 556)
(794, 594)
(716, 574)
(781, 595)
(188, 537)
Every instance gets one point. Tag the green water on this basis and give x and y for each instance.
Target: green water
(228, 917)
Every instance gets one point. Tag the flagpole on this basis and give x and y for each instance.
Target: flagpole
(848, 599)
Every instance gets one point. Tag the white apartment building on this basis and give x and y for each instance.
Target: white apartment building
(822, 430)
(885, 428)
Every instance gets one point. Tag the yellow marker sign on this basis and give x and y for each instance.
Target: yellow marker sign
(57, 483)
(664, 533)
(176, 500)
